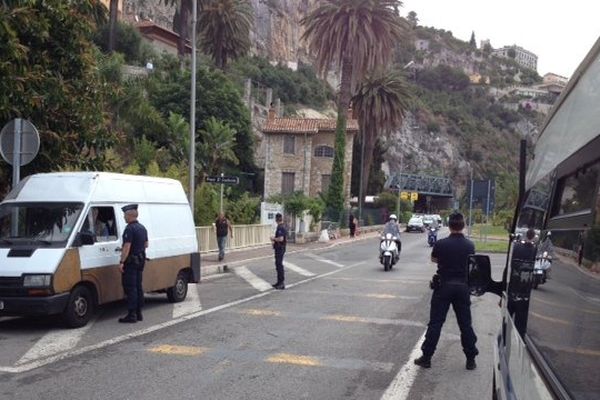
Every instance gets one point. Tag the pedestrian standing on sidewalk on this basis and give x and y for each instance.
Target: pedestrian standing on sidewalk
(279, 241)
(222, 227)
(450, 287)
(352, 225)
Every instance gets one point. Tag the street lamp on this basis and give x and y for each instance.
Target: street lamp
(470, 199)
(193, 109)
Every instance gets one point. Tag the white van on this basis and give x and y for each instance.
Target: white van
(60, 242)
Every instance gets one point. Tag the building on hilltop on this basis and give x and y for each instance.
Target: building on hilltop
(555, 78)
(523, 57)
(299, 154)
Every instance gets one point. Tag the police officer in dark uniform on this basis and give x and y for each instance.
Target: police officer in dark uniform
(451, 255)
(133, 257)
(279, 241)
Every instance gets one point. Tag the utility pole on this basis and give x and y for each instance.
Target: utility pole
(193, 110)
(471, 202)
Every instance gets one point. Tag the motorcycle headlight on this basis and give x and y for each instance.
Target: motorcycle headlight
(388, 236)
(545, 254)
(37, 280)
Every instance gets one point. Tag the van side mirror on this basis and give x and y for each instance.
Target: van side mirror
(479, 274)
(84, 239)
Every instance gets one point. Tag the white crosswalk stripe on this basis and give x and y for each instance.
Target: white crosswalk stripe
(256, 282)
(54, 343)
(324, 260)
(297, 269)
(191, 303)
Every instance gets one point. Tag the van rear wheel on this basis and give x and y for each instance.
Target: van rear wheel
(80, 308)
(177, 293)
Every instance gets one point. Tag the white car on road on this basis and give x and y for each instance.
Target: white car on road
(415, 224)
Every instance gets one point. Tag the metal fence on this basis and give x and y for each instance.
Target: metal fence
(243, 236)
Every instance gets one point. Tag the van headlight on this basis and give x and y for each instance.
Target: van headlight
(37, 280)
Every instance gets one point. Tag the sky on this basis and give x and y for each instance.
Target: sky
(560, 33)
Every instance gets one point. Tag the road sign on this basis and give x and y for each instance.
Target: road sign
(231, 180)
(25, 137)
(414, 196)
(404, 195)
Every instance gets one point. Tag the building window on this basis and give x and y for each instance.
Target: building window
(324, 151)
(289, 144)
(325, 182)
(287, 182)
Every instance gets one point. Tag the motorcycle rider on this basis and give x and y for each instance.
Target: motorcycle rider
(392, 227)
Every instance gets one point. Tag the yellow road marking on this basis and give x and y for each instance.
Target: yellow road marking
(255, 311)
(178, 350)
(284, 358)
(381, 296)
(344, 318)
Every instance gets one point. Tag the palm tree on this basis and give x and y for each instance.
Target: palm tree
(216, 148)
(380, 102)
(354, 36)
(181, 23)
(224, 27)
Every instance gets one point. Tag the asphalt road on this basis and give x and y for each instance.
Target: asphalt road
(343, 329)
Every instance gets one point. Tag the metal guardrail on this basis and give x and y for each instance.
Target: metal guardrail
(243, 236)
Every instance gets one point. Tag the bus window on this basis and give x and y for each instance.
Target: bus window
(564, 313)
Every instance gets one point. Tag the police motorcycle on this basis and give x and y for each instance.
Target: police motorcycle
(388, 248)
(541, 269)
(431, 235)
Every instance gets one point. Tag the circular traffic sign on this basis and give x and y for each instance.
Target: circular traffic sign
(30, 142)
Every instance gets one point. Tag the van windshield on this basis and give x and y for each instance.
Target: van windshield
(44, 224)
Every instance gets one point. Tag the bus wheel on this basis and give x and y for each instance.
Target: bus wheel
(178, 292)
(80, 307)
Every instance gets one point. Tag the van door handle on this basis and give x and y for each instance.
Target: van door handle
(118, 249)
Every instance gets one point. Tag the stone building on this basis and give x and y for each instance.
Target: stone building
(523, 57)
(299, 154)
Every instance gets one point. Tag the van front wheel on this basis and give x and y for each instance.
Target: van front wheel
(80, 308)
(177, 293)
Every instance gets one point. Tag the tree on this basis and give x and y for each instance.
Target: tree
(354, 36)
(224, 27)
(512, 53)
(216, 146)
(473, 42)
(412, 19)
(50, 60)
(181, 23)
(112, 24)
(381, 101)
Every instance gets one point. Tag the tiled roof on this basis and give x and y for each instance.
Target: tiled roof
(305, 125)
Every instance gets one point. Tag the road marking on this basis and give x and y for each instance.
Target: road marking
(119, 339)
(190, 304)
(400, 387)
(297, 269)
(380, 280)
(324, 260)
(53, 343)
(178, 350)
(550, 319)
(368, 295)
(254, 311)
(378, 321)
(257, 283)
(284, 358)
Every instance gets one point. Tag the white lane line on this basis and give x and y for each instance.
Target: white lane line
(402, 383)
(53, 343)
(324, 260)
(297, 269)
(154, 328)
(257, 283)
(191, 303)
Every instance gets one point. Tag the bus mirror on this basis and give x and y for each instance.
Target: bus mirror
(84, 239)
(479, 274)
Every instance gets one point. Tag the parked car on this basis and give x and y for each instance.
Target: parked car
(415, 224)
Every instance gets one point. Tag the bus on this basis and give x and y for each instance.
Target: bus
(548, 344)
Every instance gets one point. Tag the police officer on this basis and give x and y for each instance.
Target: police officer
(451, 255)
(279, 241)
(392, 227)
(133, 257)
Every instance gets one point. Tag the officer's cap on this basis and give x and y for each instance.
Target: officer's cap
(129, 207)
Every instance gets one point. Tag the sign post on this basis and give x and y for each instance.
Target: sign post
(223, 180)
(19, 144)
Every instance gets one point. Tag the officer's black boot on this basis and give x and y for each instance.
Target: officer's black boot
(471, 364)
(129, 318)
(423, 361)
(139, 315)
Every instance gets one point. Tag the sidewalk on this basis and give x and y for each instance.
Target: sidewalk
(210, 265)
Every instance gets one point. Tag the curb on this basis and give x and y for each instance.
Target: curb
(225, 268)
